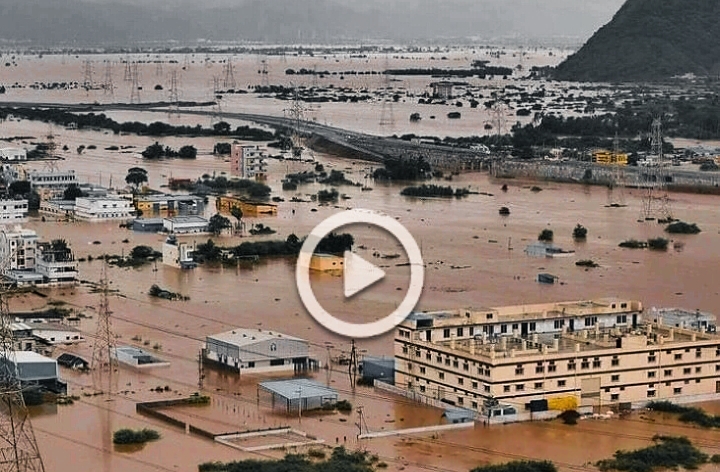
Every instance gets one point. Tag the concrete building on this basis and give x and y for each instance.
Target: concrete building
(32, 262)
(135, 357)
(257, 351)
(58, 208)
(47, 183)
(542, 249)
(249, 208)
(168, 205)
(35, 371)
(13, 154)
(248, 162)
(576, 354)
(13, 211)
(103, 208)
(442, 90)
(56, 333)
(178, 254)
(326, 263)
(148, 225)
(603, 156)
(185, 225)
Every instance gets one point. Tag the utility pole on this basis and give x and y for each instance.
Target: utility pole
(18, 447)
(361, 419)
(201, 370)
(387, 117)
(353, 365)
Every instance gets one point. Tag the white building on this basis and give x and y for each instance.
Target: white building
(257, 351)
(13, 211)
(178, 254)
(185, 225)
(103, 208)
(56, 333)
(18, 246)
(56, 262)
(13, 154)
(35, 370)
(135, 357)
(248, 162)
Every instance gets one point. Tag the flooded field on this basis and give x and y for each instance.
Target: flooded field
(474, 257)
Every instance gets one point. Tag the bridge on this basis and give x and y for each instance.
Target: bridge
(321, 137)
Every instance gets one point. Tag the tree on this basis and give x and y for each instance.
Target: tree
(20, 188)
(580, 232)
(546, 236)
(154, 151)
(236, 212)
(187, 152)
(221, 128)
(218, 223)
(72, 192)
(136, 176)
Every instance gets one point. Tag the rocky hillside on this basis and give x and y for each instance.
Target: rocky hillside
(649, 40)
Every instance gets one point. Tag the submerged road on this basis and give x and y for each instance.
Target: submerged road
(359, 145)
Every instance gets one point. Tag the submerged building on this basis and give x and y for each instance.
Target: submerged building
(248, 162)
(558, 356)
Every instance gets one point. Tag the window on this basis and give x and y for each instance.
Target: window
(474, 405)
(422, 388)
(678, 357)
(503, 329)
(466, 366)
(677, 390)
(585, 364)
(474, 385)
(459, 332)
(489, 316)
(615, 361)
(422, 370)
(446, 333)
(461, 381)
(667, 372)
(486, 388)
(519, 387)
(614, 397)
(251, 365)
(652, 358)
(571, 365)
(519, 370)
(621, 319)
(539, 369)
(439, 359)
(532, 326)
(590, 320)
(471, 331)
(506, 388)
(516, 326)
(615, 378)
(651, 374)
(697, 381)
(404, 350)
(552, 367)
(441, 376)
(428, 356)
(460, 400)
(623, 305)
(447, 361)
(687, 371)
(417, 352)
(698, 353)
(562, 383)
(717, 368)
(559, 324)
(538, 385)
(596, 363)
(698, 370)
(455, 364)
(274, 362)
(651, 393)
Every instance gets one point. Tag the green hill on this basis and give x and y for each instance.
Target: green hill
(649, 40)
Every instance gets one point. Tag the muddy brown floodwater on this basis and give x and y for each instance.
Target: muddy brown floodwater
(474, 257)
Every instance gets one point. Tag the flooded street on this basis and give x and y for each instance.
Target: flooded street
(474, 257)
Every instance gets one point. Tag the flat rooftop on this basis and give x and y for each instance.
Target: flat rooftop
(244, 337)
(187, 219)
(29, 357)
(298, 388)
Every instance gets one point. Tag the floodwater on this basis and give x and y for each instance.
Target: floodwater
(474, 257)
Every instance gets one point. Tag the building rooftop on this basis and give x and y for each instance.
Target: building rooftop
(187, 219)
(298, 388)
(29, 357)
(245, 337)
(163, 197)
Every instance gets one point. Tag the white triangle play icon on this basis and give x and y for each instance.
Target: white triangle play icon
(359, 274)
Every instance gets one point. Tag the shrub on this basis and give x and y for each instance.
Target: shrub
(658, 244)
(316, 453)
(129, 436)
(518, 466)
(344, 406)
(569, 417)
(633, 244)
(680, 227)
(667, 453)
(587, 263)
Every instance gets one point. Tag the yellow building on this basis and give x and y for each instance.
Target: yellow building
(603, 156)
(326, 262)
(249, 208)
(168, 205)
(589, 353)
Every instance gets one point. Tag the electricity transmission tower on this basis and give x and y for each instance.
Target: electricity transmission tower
(18, 446)
(135, 85)
(174, 94)
(297, 114)
(104, 359)
(159, 68)
(87, 74)
(387, 118)
(127, 77)
(108, 84)
(229, 71)
(616, 191)
(264, 79)
(656, 203)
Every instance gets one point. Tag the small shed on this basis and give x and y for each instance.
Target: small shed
(546, 278)
(138, 358)
(459, 415)
(378, 368)
(72, 361)
(294, 394)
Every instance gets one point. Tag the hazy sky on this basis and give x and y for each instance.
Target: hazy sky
(90, 21)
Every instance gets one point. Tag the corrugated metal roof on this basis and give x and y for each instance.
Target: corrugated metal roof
(293, 389)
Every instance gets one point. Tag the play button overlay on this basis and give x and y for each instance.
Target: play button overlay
(359, 275)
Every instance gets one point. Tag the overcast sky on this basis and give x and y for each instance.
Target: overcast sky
(89, 21)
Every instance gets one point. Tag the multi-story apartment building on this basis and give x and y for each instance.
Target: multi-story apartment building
(13, 211)
(248, 162)
(599, 352)
(18, 248)
(48, 183)
(28, 261)
(103, 208)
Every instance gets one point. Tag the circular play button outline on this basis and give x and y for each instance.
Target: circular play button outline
(360, 330)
